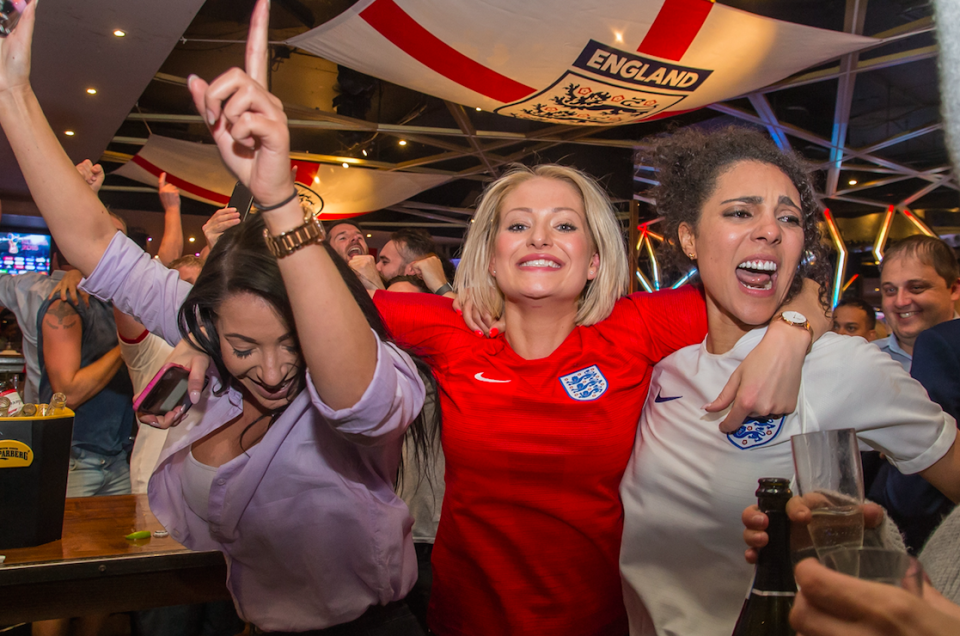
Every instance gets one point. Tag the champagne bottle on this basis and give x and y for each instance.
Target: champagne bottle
(766, 611)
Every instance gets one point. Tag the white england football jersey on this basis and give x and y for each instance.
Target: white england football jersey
(687, 484)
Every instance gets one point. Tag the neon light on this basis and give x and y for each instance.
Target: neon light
(882, 235)
(841, 257)
(685, 279)
(643, 281)
(849, 282)
(654, 265)
(913, 218)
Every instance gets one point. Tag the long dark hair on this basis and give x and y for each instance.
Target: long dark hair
(241, 263)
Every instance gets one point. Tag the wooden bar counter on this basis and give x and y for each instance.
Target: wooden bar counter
(94, 569)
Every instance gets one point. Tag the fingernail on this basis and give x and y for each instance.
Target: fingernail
(757, 519)
(479, 333)
(194, 396)
(210, 118)
(494, 332)
(458, 312)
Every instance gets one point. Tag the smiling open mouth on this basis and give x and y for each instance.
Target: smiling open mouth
(274, 391)
(541, 262)
(757, 274)
(355, 250)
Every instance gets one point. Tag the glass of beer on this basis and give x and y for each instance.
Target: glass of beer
(830, 481)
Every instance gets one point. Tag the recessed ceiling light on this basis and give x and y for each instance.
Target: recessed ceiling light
(852, 182)
(149, 238)
(119, 33)
(618, 37)
(478, 108)
(402, 142)
(91, 91)
(345, 164)
(369, 235)
(69, 133)
(316, 179)
(364, 152)
(191, 239)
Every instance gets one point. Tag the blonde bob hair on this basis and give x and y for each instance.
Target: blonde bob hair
(473, 281)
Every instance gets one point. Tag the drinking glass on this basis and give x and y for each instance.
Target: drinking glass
(881, 565)
(830, 481)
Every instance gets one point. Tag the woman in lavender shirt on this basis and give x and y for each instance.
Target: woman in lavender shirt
(286, 461)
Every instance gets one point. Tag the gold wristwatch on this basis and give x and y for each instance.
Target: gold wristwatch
(796, 319)
(289, 242)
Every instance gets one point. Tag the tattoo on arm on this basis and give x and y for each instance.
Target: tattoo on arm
(61, 315)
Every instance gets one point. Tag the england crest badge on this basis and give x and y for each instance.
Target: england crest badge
(584, 385)
(756, 432)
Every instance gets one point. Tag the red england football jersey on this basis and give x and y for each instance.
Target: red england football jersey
(529, 536)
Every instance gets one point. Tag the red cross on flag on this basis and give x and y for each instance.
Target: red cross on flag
(569, 61)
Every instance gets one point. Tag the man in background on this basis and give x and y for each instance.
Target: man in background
(919, 284)
(347, 239)
(855, 317)
(409, 252)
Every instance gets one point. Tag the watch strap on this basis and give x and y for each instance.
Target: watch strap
(801, 325)
(289, 242)
(444, 289)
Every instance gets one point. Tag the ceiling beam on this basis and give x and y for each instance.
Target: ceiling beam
(466, 126)
(428, 215)
(437, 208)
(410, 130)
(902, 137)
(856, 12)
(793, 131)
(766, 114)
(872, 64)
(874, 184)
(875, 204)
(930, 187)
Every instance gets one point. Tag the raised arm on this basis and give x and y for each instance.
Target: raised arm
(250, 128)
(171, 245)
(74, 214)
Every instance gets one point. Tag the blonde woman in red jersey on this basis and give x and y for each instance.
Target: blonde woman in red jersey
(539, 422)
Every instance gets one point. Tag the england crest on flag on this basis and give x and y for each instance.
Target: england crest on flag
(756, 432)
(584, 385)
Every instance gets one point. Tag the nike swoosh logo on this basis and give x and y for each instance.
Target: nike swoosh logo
(480, 377)
(659, 399)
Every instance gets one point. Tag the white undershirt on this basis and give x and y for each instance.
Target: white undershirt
(196, 481)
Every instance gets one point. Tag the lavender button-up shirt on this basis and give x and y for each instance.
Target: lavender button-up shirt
(309, 523)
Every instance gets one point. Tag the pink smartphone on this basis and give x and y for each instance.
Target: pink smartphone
(166, 391)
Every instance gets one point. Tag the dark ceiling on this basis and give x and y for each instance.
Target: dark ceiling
(893, 126)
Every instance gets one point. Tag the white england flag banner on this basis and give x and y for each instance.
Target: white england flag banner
(334, 191)
(573, 62)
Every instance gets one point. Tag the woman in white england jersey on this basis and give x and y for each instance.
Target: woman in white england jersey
(745, 214)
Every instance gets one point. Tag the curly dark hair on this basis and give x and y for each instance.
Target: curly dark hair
(689, 162)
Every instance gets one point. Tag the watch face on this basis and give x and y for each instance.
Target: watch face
(794, 317)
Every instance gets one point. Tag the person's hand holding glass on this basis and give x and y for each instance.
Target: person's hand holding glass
(830, 483)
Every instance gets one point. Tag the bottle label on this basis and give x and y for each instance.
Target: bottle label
(16, 403)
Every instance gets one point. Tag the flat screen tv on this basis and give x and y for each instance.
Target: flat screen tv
(21, 252)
